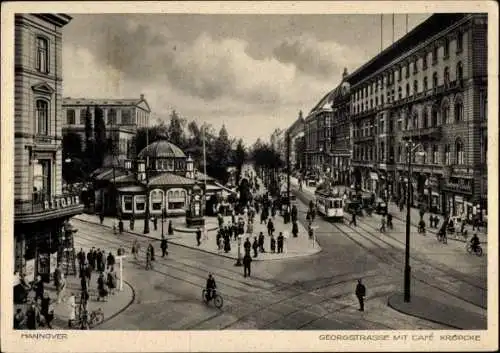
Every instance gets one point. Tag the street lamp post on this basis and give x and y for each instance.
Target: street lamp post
(288, 171)
(238, 261)
(407, 271)
(162, 221)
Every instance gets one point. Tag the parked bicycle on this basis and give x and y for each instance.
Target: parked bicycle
(216, 297)
(478, 250)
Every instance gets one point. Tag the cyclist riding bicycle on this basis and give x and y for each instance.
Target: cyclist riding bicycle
(474, 242)
(210, 287)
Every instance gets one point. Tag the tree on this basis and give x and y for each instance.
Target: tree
(147, 135)
(176, 130)
(71, 145)
(300, 153)
(220, 156)
(240, 156)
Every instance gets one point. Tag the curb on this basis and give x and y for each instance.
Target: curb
(199, 249)
(122, 309)
(187, 230)
(418, 316)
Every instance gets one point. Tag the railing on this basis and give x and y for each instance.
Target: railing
(42, 203)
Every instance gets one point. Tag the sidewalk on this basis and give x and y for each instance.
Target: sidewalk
(435, 311)
(293, 247)
(414, 214)
(114, 305)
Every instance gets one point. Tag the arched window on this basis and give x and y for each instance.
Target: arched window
(446, 48)
(435, 80)
(42, 54)
(424, 61)
(460, 41)
(400, 92)
(157, 200)
(459, 152)
(446, 75)
(415, 87)
(42, 117)
(426, 86)
(445, 112)
(447, 155)
(435, 54)
(434, 117)
(460, 71)
(425, 118)
(459, 111)
(414, 123)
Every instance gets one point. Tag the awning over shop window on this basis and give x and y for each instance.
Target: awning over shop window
(373, 176)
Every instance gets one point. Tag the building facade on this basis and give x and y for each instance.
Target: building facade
(327, 134)
(122, 118)
(296, 133)
(428, 93)
(41, 208)
(278, 142)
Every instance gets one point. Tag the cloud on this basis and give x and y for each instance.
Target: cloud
(321, 59)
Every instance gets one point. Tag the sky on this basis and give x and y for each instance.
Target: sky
(252, 73)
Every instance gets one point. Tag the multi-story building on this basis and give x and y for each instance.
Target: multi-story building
(429, 87)
(41, 210)
(122, 118)
(295, 134)
(327, 134)
(278, 142)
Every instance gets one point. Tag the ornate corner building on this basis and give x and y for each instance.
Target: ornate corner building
(41, 208)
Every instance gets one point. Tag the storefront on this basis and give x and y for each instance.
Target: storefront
(458, 197)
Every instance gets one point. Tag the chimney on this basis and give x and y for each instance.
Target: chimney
(142, 96)
(344, 74)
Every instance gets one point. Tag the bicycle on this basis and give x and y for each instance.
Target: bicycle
(86, 321)
(478, 251)
(217, 298)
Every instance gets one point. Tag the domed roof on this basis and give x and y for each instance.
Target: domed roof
(161, 149)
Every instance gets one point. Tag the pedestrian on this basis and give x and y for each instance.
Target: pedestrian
(353, 219)
(255, 246)
(83, 282)
(132, 222)
(101, 218)
(90, 255)
(310, 231)
(198, 236)
(170, 228)
(270, 227)
(281, 240)
(247, 260)
(81, 259)
(111, 281)
(120, 226)
(273, 244)
(88, 274)
(247, 246)
(389, 221)
(94, 259)
(164, 246)
(294, 213)
(360, 294)
(261, 242)
(99, 260)
(295, 229)
(110, 261)
(151, 251)
(227, 243)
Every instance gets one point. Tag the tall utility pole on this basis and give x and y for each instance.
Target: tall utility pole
(288, 171)
(407, 271)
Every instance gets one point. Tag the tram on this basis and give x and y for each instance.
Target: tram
(330, 201)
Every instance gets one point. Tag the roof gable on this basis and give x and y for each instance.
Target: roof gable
(43, 88)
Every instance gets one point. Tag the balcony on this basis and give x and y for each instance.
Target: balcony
(41, 209)
(364, 138)
(427, 133)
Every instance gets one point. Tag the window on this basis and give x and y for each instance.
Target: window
(434, 116)
(407, 70)
(459, 111)
(484, 146)
(140, 203)
(425, 118)
(400, 73)
(483, 105)
(126, 117)
(176, 199)
(435, 80)
(414, 124)
(415, 66)
(407, 90)
(42, 54)
(41, 180)
(447, 155)
(460, 71)
(83, 114)
(446, 76)
(156, 200)
(382, 151)
(445, 112)
(446, 48)
(460, 154)
(415, 87)
(435, 154)
(425, 84)
(376, 101)
(127, 203)
(424, 61)
(435, 55)
(42, 117)
(70, 117)
(460, 42)
(400, 153)
(400, 92)
(111, 116)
